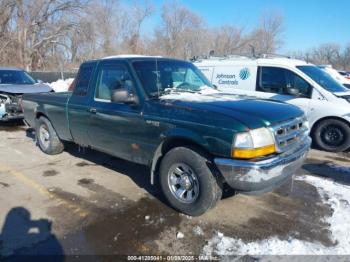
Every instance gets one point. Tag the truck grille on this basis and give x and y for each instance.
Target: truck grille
(289, 134)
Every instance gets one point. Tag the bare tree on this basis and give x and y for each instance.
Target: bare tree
(45, 33)
(326, 53)
(345, 64)
(36, 26)
(267, 37)
(7, 8)
(139, 12)
(178, 35)
(229, 40)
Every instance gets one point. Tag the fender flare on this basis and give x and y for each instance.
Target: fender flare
(179, 137)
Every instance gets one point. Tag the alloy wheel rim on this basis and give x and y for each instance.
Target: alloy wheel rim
(44, 136)
(333, 135)
(183, 183)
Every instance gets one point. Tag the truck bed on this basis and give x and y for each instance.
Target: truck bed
(52, 104)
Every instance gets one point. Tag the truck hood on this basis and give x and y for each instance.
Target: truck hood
(252, 112)
(24, 89)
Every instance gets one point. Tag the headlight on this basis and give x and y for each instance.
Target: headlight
(252, 144)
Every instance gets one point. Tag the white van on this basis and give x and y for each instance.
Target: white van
(324, 100)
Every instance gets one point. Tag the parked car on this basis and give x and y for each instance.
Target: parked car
(325, 101)
(14, 83)
(165, 114)
(344, 74)
(336, 75)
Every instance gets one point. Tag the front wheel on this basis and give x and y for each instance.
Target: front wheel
(47, 138)
(332, 135)
(187, 182)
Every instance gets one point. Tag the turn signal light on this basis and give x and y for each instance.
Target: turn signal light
(253, 152)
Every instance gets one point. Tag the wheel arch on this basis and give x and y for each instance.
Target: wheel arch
(40, 114)
(316, 123)
(170, 143)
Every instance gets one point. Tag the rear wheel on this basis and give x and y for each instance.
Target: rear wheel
(187, 182)
(47, 138)
(332, 135)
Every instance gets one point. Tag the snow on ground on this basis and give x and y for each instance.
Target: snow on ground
(61, 85)
(335, 194)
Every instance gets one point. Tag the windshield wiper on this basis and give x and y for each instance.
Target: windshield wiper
(179, 90)
(168, 91)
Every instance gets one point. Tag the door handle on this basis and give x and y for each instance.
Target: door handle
(92, 110)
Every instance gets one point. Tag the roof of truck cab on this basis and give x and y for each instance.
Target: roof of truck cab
(245, 61)
(133, 57)
(129, 56)
(11, 68)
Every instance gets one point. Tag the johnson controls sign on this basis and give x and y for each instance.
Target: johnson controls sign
(226, 79)
(244, 73)
(232, 79)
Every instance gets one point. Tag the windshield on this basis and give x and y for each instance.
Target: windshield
(15, 77)
(322, 78)
(161, 77)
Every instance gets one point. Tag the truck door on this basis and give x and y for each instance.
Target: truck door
(114, 127)
(284, 85)
(78, 114)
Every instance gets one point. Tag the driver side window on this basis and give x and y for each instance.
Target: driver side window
(112, 77)
(282, 81)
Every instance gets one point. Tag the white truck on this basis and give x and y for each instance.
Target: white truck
(325, 101)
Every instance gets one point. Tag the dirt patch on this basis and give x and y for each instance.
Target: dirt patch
(328, 169)
(4, 184)
(12, 126)
(51, 172)
(114, 224)
(83, 163)
(85, 181)
(132, 230)
(298, 213)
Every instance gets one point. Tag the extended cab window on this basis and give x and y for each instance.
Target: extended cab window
(83, 80)
(112, 77)
(282, 81)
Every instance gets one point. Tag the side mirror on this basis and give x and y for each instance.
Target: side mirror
(215, 87)
(39, 81)
(123, 95)
(293, 91)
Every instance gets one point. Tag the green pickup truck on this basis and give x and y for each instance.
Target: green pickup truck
(165, 114)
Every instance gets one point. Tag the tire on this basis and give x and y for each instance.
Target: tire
(332, 135)
(189, 168)
(47, 138)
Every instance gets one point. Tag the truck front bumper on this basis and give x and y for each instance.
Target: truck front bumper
(262, 176)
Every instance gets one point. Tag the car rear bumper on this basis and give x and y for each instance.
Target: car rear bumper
(262, 176)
